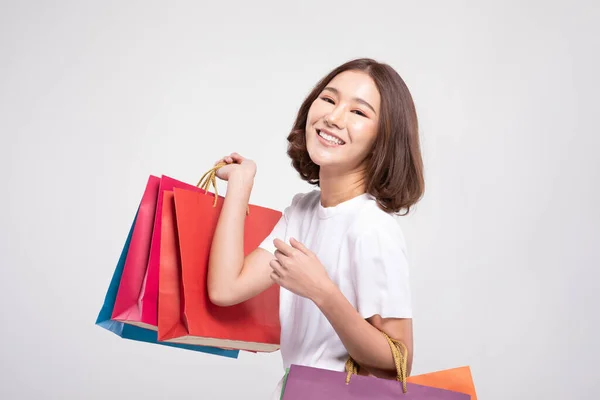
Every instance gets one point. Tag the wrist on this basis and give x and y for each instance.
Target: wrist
(324, 294)
(241, 178)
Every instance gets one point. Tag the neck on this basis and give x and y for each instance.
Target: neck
(337, 188)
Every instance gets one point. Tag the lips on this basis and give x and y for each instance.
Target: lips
(330, 137)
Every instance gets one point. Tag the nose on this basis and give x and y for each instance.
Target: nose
(337, 117)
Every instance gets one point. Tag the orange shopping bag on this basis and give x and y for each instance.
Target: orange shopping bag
(455, 379)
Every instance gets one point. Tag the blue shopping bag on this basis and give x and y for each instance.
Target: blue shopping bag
(132, 332)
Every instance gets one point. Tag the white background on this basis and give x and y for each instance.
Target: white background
(95, 96)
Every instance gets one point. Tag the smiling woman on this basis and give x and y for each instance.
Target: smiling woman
(356, 137)
(367, 104)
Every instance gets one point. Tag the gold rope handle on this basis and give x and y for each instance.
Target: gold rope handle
(210, 178)
(400, 355)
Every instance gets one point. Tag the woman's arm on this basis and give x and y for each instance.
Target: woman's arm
(362, 338)
(299, 270)
(233, 278)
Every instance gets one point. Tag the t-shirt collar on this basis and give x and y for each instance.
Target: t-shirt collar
(343, 207)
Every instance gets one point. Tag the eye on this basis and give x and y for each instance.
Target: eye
(359, 113)
(327, 99)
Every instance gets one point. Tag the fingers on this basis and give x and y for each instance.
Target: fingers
(276, 274)
(236, 157)
(276, 278)
(288, 250)
(299, 246)
(276, 266)
(280, 257)
(283, 247)
(230, 159)
(226, 160)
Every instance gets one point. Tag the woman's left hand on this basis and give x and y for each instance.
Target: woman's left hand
(298, 269)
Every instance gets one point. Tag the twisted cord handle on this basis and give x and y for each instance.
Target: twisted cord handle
(400, 355)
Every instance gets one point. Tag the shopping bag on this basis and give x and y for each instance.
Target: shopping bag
(319, 384)
(136, 333)
(252, 325)
(127, 307)
(456, 379)
(170, 305)
(148, 298)
(302, 382)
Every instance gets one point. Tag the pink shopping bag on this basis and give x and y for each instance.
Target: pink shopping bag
(127, 307)
(319, 384)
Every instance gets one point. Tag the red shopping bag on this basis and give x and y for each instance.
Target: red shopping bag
(127, 307)
(149, 291)
(170, 307)
(252, 325)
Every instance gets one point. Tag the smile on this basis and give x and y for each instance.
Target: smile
(330, 138)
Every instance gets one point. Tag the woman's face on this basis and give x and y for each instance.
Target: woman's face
(342, 122)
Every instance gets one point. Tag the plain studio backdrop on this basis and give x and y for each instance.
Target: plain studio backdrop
(95, 96)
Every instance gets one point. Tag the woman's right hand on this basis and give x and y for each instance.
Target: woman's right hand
(236, 165)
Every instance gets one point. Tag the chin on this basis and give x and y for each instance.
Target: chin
(320, 155)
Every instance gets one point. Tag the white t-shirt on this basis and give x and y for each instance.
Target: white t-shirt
(363, 250)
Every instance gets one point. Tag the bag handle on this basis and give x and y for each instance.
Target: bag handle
(210, 178)
(400, 355)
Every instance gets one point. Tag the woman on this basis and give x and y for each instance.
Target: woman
(337, 253)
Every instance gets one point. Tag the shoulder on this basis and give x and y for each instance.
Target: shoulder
(306, 199)
(303, 202)
(373, 225)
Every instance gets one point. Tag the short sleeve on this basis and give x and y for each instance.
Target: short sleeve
(280, 228)
(277, 232)
(380, 274)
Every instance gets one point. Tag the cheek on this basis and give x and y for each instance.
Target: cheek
(364, 132)
(317, 111)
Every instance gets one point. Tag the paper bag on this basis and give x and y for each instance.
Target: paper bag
(252, 325)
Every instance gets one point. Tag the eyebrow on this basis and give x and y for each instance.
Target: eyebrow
(357, 99)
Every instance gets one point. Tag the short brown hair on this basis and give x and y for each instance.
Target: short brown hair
(395, 166)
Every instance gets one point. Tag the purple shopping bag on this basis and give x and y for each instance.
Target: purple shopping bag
(319, 384)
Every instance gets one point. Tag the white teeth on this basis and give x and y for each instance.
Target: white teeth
(330, 138)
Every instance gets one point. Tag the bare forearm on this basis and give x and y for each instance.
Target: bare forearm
(227, 250)
(365, 343)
